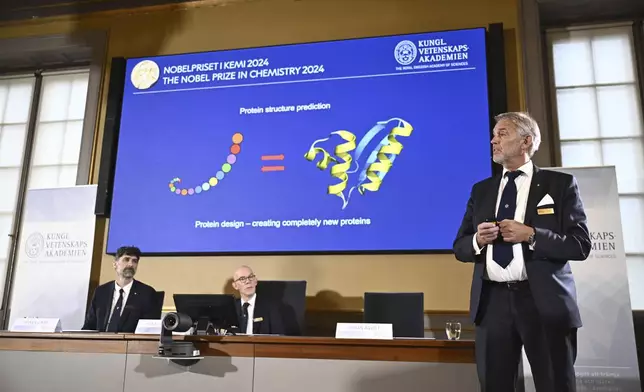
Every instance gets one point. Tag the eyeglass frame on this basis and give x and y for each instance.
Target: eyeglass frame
(244, 279)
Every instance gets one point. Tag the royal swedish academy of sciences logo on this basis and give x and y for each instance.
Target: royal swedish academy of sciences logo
(34, 245)
(145, 74)
(405, 52)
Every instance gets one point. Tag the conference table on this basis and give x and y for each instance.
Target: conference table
(126, 362)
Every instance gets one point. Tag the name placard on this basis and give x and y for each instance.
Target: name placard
(35, 324)
(364, 331)
(148, 327)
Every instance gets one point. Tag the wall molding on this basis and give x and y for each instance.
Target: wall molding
(534, 80)
(101, 8)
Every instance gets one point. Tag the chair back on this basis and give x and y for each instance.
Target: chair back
(291, 296)
(158, 302)
(405, 311)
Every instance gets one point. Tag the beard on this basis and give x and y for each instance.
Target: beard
(128, 272)
(506, 154)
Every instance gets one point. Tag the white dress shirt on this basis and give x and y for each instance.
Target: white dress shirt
(515, 271)
(115, 297)
(251, 311)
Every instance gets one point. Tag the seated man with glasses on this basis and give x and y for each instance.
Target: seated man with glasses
(256, 315)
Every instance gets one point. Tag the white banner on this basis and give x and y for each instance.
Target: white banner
(607, 356)
(54, 260)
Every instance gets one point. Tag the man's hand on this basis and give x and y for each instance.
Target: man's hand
(515, 232)
(486, 233)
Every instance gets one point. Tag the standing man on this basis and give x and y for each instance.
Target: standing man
(256, 314)
(118, 305)
(520, 229)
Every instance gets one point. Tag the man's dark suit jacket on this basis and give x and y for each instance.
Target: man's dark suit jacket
(269, 311)
(560, 237)
(141, 304)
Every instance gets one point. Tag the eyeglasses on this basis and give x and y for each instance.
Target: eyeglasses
(245, 279)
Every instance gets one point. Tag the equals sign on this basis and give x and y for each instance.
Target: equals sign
(272, 168)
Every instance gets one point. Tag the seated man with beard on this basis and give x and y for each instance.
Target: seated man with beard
(118, 305)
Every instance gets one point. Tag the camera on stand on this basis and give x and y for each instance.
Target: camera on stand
(197, 314)
(180, 352)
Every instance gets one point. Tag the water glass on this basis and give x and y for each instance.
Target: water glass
(453, 330)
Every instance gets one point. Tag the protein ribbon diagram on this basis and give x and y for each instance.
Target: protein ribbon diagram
(379, 161)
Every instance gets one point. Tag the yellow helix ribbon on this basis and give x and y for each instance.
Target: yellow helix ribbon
(339, 170)
(326, 157)
(382, 166)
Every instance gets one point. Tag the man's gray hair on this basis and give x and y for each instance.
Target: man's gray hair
(526, 126)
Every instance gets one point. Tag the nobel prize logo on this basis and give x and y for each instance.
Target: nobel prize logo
(34, 245)
(405, 52)
(145, 74)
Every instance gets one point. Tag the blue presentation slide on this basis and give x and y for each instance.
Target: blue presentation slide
(358, 145)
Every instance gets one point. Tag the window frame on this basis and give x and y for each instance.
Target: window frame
(638, 56)
(552, 88)
(12, 244)
(87, 133)
(82, 178)
(86, 50)
(637, 37)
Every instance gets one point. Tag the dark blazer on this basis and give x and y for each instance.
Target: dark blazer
(141, 304)
(560, 237)
(269, 311)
